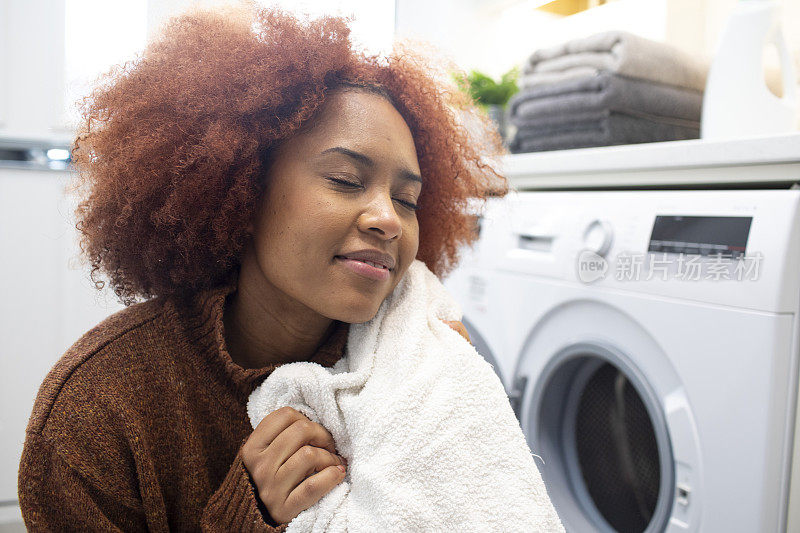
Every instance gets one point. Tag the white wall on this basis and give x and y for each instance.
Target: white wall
(491, 35)
(372, 26)
(495, 35)
(697, 27)
(160, 11)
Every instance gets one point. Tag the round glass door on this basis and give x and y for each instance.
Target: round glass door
(596, 419)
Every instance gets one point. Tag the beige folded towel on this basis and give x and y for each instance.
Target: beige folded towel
(619, 52)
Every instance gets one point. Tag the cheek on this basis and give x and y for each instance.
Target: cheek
(300, 236)
(274, 241)
(408, 251)
(411, 245)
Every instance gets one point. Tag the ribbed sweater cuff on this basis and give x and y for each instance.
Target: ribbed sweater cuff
(235, 507)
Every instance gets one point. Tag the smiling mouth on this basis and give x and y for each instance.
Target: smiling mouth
(367, 269)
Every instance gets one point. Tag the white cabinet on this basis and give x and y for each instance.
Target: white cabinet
(32, 68)
(46, 303)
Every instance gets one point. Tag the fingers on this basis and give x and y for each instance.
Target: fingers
(306, 461)
(300, 433)
(314, 488)
(292, 461)
(275, 423)
(459, 327)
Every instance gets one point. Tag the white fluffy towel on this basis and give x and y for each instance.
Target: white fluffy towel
(431, 441)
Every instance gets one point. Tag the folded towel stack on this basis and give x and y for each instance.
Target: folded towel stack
(606, 89)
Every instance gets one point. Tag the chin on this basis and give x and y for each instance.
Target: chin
(352, 317)
(356, 313)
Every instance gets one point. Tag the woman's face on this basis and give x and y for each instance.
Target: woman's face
(345, 186)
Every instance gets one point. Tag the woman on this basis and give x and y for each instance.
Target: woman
(260, 185)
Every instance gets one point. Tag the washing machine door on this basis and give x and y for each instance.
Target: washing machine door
(593, 413)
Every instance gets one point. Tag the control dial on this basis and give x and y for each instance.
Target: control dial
(598, 237)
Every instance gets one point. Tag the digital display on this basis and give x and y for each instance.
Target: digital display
(726, 236)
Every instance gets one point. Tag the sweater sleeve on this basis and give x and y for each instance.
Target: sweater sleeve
(236, 507)
(55, 496)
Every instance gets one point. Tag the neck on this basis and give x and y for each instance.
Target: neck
(264, 326)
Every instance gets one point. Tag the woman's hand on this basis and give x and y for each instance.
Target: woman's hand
(292, 461)
(459, 327)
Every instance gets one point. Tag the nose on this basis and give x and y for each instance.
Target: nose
(380, 216)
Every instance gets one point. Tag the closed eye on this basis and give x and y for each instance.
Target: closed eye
(346, 183)
(409, 205)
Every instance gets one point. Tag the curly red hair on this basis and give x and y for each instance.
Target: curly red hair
(173, 146)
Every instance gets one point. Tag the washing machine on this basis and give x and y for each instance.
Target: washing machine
(648, 341)
(474, 287)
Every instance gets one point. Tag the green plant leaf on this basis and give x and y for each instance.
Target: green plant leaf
(486, 91)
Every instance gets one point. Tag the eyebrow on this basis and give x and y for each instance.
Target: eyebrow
(367, 161)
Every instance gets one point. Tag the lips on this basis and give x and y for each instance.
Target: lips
(372, 257)
(370, 263)
(365, 269)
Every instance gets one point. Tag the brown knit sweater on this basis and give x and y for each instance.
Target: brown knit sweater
(139, 426)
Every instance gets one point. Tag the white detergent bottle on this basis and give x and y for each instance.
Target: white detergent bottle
(737, 102)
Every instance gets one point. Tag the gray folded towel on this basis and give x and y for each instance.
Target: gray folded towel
(606, 91)
(605, 128)
(620, 52)
(545, 78)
